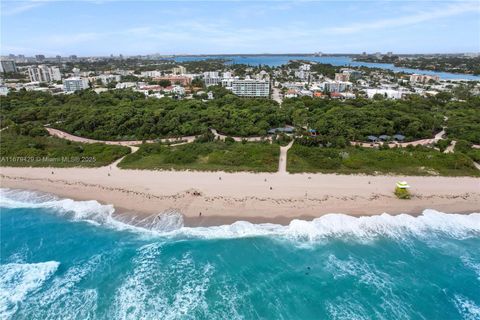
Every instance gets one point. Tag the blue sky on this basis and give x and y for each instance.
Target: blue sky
(193, 27)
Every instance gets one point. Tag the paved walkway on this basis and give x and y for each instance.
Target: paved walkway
(451, 147)
(421, 142)
(127, 143)
(238, 139)
(282, 160)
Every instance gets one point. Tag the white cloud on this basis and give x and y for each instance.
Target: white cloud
(416, 18)
(20, 8)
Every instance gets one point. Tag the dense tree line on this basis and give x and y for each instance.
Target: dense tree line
(464, 120)
(125, 114)
(358, 118)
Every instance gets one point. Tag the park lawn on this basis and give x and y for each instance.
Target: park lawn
(45, 151)
(405, 161)
(205, 156)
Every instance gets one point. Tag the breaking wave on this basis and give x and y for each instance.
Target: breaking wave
(170, 224)
(17, 280)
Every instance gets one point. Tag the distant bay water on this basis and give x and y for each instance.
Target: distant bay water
(66, 259)
(274, 61)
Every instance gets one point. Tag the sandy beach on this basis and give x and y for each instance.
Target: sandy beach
(227, 197)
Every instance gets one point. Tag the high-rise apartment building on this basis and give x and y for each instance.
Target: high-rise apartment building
(251, 88)
(211, 78)
(43, 73)
(8, 66)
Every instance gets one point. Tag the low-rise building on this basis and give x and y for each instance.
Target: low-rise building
(291, 93)
(179, 70)
(109, 78)
(336, 86)
(151, 74)
(180, 80)
(348, 75)
(423, 78)
(387, 93)
(125, 85)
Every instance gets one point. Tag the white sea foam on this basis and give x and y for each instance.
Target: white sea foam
(327, 226)
(469, 263)
(154, 291)
(343, 309)
(17, 280)
(63, 296)
(466, 307)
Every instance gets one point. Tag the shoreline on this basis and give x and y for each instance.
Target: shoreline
(223, 198)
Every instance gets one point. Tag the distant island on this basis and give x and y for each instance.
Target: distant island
(447, 63)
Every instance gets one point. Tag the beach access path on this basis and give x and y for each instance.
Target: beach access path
(282, 160)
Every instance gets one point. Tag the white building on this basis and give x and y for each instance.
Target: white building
(423, 78)
(228, 82)
(251, 88)
(294, 85)
(348, 75)
(76, 72)
(109, 78)
(151, 74)
(178, 90)
(292, 93)
(305, 67)
(179, 70)
(387, 93)
(302, 74)
(125, 85)
(43, 73)
(211, 78)
(336, 86)
(3, 90)
(306, 93)
(74, 84)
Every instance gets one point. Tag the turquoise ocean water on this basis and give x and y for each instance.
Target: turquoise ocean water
(65, 259)
(278, 60)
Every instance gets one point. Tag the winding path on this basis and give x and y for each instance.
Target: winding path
(238, 139)
(127, 143)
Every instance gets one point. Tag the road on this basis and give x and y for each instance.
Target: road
(277, 96)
